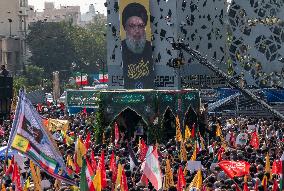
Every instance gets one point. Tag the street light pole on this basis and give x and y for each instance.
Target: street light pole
(10, 22)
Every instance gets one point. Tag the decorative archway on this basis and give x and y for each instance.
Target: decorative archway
(168, 124)
(130, 121)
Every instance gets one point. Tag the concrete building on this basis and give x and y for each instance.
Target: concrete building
(52, 14)
(13, 14)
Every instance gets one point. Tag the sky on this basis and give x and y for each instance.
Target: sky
(84, 4)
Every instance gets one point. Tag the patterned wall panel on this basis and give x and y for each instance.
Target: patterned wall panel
(201, 25)
(257, 41)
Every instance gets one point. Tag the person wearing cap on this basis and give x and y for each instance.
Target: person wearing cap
(136, 49)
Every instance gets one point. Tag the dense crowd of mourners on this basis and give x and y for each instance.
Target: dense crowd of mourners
(270, 133)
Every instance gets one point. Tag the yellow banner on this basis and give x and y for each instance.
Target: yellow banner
(57, 124)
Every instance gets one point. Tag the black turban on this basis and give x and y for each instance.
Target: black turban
(134, 9)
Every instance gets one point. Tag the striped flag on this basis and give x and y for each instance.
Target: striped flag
(151, 168)
(31, 138)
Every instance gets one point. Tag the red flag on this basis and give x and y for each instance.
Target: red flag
(116, 134)
(2, 132)
(275, 185)
(124, 186)
(77, 167)
(10, 167)
(254, 141)
(276, 167)
(193, 130)
(181, 180)
(112, 163)
(16, 178)
(103, 169)
(114, 174)
(85, 110)
(143, 150)
(88, 141)
(237, 188)
(232, 139)
(245, 187)
(144, 179)
(235, 168)
(93, 160)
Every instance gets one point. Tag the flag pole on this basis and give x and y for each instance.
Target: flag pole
(9, 142)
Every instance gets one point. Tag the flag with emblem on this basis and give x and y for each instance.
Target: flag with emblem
(183, 153)
(31, 138)
(267, 163)
(194, 154)
(197, 181)
(187, 133)
(178, 131)
(168, 180)
(151, 168)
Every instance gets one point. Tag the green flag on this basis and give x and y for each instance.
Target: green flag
(83, 178)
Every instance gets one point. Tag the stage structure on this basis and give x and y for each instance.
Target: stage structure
(152, 112)
(242, 38)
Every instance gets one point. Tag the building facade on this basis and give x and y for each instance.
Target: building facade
(13, 27)
(51, 14)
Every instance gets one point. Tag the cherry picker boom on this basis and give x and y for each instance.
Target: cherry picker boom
(230, 80)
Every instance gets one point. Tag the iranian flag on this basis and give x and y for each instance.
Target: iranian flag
(103, 78)
(87, 176)
(81, 79)
(151, 168)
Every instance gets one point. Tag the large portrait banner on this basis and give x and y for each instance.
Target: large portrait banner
(135, 34)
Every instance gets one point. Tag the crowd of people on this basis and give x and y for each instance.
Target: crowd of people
(214, 147)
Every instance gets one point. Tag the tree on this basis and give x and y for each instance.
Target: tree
(34, 75)
(51, 49)
(90, 46)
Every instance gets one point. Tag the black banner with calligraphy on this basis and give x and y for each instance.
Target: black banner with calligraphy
(135, 32)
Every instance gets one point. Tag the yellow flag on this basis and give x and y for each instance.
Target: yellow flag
(3, 187)
(183, 153)
(178, 132)
(202, 143)
(267, 163)
(97, 181)
(118, 178)
(20, 143)
(74, 188)
(197, 180)
(27, 184)
(264, 182)
(193, 157)
(187, 133)
(81, 151)
(169, 180)
(70, 162)
(218, 130)
(35, 177)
